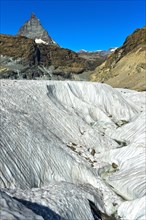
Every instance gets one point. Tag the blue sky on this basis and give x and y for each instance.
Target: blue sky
(77, 24)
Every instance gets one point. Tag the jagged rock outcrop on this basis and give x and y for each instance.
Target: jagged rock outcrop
(74, 141)
(22, 58)
(34, 30)
(125, 68)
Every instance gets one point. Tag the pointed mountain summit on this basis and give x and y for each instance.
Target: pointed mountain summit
(34, 30)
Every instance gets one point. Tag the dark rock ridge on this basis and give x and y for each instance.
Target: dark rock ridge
(22, 57)
(34, 30)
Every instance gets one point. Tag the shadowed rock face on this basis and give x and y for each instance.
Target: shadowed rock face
(34, 30)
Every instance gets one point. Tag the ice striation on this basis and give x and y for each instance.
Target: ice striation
(13, 209)
(63, 199)
(77, 148)
(133, 209)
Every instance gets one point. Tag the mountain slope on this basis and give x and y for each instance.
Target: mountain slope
(126, 66)
(22, 57)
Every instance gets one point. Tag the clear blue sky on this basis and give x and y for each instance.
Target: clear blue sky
(77, 24)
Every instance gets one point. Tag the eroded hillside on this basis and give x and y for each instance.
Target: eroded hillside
(126, 67)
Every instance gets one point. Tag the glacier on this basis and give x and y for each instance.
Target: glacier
(74, 150)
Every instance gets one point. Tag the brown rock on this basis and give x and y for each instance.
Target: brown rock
(65, 61)
(126, 66)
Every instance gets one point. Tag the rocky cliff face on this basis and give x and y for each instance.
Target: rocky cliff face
(22, 57)
(34, 30)
(126, 66)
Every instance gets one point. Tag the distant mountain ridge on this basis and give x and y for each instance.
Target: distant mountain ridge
(98, 52)
(34, 30)
(99, 56)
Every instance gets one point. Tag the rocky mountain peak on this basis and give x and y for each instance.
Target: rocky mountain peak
(33, 16)
(34, 30)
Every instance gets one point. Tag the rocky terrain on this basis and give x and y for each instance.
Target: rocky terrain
(33, 54)
(71, 150)
(23, 58)
(126, 67)
(34, 30)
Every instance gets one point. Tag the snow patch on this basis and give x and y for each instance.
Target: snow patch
(40, 41)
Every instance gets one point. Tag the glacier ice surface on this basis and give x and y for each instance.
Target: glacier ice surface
(75, 141)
